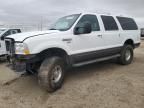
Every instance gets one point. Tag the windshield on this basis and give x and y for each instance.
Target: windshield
(2, 30)
(65, 23)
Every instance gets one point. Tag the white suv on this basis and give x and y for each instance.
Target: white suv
(73, 41)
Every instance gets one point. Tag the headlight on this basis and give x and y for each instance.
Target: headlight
(21, 48)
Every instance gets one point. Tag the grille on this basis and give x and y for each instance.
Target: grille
(7, 45)
(10, 46)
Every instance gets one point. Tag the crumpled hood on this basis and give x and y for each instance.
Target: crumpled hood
(22, 36)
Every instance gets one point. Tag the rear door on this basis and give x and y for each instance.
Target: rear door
(111, 34)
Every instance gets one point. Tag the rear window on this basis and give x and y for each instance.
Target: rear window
(109, 23)
(127, 23)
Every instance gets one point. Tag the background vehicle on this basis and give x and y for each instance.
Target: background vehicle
(142, 32)
(4, 33)
(74, 40)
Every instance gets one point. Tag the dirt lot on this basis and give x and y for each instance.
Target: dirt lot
(100, 85)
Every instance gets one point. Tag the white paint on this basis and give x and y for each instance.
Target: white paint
(80, 43)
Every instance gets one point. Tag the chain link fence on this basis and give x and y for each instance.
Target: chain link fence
(26, 27)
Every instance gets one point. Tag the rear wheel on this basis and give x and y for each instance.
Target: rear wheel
(51, 74)
(126, 55)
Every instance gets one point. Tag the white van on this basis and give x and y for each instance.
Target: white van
(72, 41)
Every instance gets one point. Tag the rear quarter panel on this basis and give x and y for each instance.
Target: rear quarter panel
(131, 34)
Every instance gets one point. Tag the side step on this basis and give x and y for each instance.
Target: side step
(96, 60)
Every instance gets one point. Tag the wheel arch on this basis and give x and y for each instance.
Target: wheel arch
(129, 42)
(55, 51)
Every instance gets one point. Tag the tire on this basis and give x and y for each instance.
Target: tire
(48, 77)
(126, 55)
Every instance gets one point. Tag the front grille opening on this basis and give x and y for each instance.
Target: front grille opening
(7, 45)
(10, 47)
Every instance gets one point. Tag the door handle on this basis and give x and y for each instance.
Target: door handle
(67, 39)
(99, 36)
(119, 35)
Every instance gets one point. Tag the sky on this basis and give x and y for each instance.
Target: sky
(47, 11)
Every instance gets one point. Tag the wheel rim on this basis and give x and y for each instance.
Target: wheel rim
(57, 73)
(128, 55)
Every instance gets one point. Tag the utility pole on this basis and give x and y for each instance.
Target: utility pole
(41, 23)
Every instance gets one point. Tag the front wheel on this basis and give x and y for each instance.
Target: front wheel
(126, 55)
(51, 74)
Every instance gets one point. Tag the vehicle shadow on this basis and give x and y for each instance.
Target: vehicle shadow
(90, 69)
(2, 61)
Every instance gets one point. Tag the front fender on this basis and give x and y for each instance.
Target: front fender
(51, 44)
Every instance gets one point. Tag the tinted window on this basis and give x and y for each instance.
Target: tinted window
(109, 23)
(90, 19)
(18, 30)
(127, 23)
(7, 33)
(13, 31)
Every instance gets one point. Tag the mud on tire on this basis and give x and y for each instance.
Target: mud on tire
(51, 74)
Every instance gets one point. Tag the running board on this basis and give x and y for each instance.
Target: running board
(96, 60)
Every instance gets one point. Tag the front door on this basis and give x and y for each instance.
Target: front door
(85, 46)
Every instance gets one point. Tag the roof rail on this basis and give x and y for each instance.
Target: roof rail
(106, 13)
(102, 12)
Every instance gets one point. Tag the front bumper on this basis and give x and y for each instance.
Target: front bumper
(20, 63)
(26, 58)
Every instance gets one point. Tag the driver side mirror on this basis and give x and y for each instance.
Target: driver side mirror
(85, 28)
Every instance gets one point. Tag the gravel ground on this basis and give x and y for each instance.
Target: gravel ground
(99, 85)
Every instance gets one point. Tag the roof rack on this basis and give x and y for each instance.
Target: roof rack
(101, 12)
(106, 13)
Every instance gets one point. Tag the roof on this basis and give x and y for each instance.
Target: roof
(105, 13)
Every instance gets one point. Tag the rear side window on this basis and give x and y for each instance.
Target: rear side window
(109, 23)
(127, 23)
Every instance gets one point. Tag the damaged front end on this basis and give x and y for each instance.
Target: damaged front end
(21, 63)
(16, 65)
